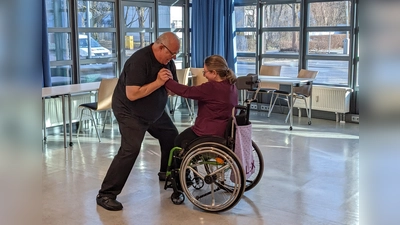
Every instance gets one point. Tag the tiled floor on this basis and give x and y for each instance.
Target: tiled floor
(310, 177)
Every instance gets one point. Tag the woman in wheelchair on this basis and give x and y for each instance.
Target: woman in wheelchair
(216, 98)
(203, 165)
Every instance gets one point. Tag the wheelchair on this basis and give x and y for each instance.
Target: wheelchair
(208, 172)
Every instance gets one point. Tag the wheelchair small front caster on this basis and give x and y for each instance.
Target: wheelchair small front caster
(309, 122)
(290, 128)
(197, 183)
(177, 197)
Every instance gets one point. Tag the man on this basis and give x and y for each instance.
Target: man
(138, 104)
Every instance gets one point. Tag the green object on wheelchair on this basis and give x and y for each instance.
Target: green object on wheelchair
(171, 156)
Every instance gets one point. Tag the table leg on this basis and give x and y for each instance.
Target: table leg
(192, 106)
(44, 120)
(70, 120)
(291, 107)
(64, 124)
(243, 96)
(309, 112)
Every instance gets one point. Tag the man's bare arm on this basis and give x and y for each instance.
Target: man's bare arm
(137, 92)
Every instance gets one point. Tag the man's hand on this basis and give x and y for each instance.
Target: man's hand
(164, 75)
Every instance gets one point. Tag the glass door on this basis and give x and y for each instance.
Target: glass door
(137, 27)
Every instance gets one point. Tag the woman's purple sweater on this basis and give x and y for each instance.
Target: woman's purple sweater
(215, 103)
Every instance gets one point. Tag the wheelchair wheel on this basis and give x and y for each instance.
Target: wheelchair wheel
(253, 180)
(219, 171)
(177, 197)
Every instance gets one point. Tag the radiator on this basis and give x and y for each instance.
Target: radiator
(53, 108)
(331, 99)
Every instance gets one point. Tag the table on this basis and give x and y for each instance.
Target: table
(65, 90)
(293, 82)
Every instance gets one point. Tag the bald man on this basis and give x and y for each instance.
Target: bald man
(138, 104)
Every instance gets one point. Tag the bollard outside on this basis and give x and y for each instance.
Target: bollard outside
(346, 46)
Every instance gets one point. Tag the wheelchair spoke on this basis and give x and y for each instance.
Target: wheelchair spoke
(213, 190)
(199, 175)
(222, 187)
(219, 170)
(207, 193)
(212, 194)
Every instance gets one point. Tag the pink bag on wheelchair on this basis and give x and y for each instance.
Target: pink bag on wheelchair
(244, 148)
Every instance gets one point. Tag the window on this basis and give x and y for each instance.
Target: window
(250, 17)
(138, 17)
(59, 46)
(246, 39)
(328, 42)
(333, 72)
(281, 42)
(137, 27)
(327, 38)
(94, 49)
(318, 36)
(135, 41)
(280, 32)
(99, 14)
(171, 18)
(246, 65)
(334, 13)
(96, 40)
(279, 28)
(289, 67)
(246, 42)
(57, 12)
(246, 16)
(59, 41)
(282, 15)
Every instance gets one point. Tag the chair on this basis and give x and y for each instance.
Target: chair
(197, 79)
(197, 76)
(302, 92)
(266, 70)
(103, 103)
(183, 78)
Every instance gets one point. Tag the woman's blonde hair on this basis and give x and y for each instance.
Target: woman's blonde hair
(218, 64)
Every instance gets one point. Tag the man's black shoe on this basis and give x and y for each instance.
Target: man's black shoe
(108, 203)
(162, 176)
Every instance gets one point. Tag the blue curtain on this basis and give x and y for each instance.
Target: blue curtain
(46, 80)
(213, 31)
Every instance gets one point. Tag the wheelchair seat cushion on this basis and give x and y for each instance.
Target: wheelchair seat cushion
(199, 140)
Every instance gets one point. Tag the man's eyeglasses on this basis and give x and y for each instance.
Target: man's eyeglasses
(172, 54)
(204, 72)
